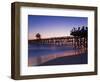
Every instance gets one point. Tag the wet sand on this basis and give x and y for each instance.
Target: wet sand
(65, 56)
(68, 60)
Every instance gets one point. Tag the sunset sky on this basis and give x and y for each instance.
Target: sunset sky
(53, 26)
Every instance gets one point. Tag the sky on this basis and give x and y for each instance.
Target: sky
(53, 26)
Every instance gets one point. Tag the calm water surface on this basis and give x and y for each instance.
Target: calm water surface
(38, 50)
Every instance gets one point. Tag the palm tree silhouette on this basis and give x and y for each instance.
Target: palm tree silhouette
(38, 36)
(80, 37)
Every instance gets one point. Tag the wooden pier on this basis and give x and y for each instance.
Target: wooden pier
(53, 41)
(77, 39)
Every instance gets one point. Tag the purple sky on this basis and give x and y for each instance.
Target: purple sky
(53, 26)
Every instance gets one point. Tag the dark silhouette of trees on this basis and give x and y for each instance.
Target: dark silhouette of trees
(80, 37)
(38, 39)
(38, 36)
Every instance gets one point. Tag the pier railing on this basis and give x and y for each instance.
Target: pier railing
(53, 41)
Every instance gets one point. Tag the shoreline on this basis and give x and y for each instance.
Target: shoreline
(34, 61)
(67, 60)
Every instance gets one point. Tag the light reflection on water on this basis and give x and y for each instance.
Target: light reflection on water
(39, 50)
(39, 54)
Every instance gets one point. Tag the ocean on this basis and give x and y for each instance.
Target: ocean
(46, 49)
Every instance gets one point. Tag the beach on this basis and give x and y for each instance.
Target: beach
(56, 55)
